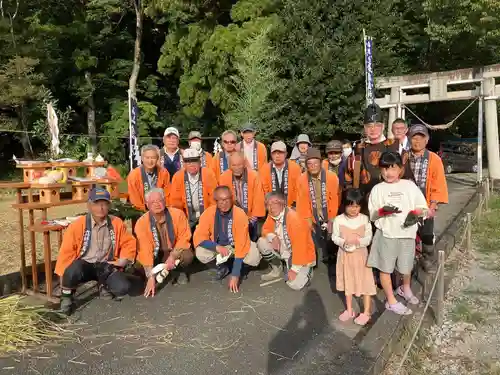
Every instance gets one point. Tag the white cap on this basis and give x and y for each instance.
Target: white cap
(171, 130)
(190, 153)
(278, 146)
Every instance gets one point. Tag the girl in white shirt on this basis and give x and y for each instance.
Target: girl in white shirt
(395, 206)
(352, 232)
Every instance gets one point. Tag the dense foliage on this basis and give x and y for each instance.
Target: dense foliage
(285, 65)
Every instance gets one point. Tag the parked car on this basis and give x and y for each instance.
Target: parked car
(459, 156)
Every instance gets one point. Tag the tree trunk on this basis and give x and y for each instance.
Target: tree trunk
(91, 116)
(137, 48)
(25, 140)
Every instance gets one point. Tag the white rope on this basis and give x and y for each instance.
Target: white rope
(444, 126)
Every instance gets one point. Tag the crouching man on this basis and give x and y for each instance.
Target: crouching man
(287, 244)
(95, 247)
(222, 234)
(164, 236)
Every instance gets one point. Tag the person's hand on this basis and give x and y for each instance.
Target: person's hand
(233, 284)
(150, 287)
(170, 263)
(431, 212)
(353, 239)
(222, 250)
(276, 243)
(252, 219)
(291, 275)
(115, 263)
(388, 210)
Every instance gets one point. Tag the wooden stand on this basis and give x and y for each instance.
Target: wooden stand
(33, 171)
(50, 195)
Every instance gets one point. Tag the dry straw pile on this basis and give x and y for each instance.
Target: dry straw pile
(23, 327)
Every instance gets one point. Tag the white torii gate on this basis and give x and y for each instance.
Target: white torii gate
(438, 83)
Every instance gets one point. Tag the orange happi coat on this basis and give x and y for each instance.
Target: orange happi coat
(208, 159)
(177, 196)
(215, 165)
(436, 187)
(303, 251)
(304, 203)
(294, 172)
(136, 186)
(146, 245)
(256, 205)
(125, 246)
(205, 230)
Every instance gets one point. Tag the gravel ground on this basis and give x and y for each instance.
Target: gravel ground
(468, 342)
(9, 238)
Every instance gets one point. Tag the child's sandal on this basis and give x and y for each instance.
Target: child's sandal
(411, 299)
(362, 319)
(345, 316)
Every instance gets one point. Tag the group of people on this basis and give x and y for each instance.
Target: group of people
(236, 209)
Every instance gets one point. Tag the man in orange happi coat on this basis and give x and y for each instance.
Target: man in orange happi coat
(428, 171)
(192, 187)
(286, 244)
(194, 139)
(280, 174)
(221, 234)
(247, 189)
(254, 151)
(220, 162)
(146, 177)
(164, 236)
(95, 247)
(318, 200)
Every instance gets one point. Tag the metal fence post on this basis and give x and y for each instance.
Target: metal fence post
(480, 206)
(440, 291)
(469, 231)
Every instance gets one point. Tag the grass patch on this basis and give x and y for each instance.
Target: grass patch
(486, 232)
(463, 312)
(478, 292)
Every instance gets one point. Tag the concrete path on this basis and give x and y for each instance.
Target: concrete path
(201, 328)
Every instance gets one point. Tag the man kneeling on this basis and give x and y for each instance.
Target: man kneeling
(164, 237)
(95, 247)
(287, 244)
(221, 234)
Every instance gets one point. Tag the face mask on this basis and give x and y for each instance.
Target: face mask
(335, 162)
(196, 145)
(347, 151)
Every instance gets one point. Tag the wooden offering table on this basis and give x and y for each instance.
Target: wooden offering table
(40, 197)
(33, 171)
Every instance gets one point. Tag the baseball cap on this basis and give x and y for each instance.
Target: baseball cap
(194, 134)
(99, 194)
(278, 146)
(171, 130)
(313, 153)
(334, 146)
(248, 127)
(418, 129)
(190, 154)
(303, 138)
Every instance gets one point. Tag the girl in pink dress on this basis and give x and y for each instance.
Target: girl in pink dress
(352, 232)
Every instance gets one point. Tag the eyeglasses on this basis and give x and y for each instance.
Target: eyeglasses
(223, 199)
(230, 142)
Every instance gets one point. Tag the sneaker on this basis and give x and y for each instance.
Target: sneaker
(398, 308)
(105, 294)
(274, 273)
(222, 272)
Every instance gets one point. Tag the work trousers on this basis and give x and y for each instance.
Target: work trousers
(107, 275)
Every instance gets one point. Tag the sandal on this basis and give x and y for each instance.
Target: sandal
(362, 319)
(345, 316)
(411, 299)
(398, 308)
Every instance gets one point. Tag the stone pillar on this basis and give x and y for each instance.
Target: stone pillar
(492, 144)
(393, 111)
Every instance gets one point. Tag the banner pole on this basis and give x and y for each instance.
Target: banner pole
(130, 131)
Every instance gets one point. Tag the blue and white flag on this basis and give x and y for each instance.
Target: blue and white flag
(135, 155)
(370, 84)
